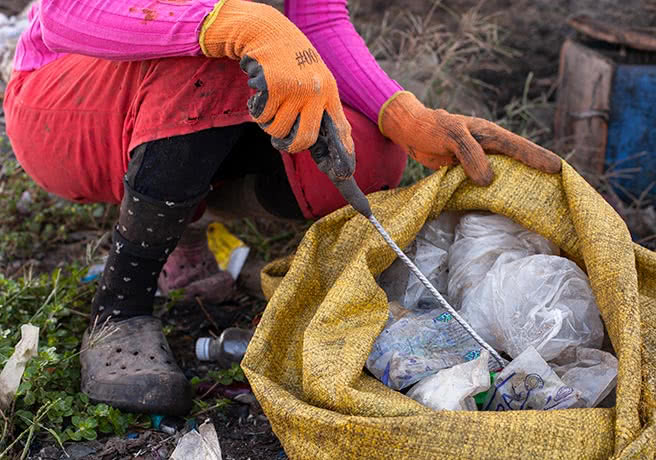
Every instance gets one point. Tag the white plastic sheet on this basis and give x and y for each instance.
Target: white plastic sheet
(528, 383)
(541, 301)
(480, 239)
(429, 252)
(454, 388)
(593, 372)
(12, 373)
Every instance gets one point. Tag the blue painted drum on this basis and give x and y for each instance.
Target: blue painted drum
(631, 145)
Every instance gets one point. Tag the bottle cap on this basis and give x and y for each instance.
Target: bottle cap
(203, 348)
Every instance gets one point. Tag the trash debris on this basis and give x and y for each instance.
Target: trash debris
(429, 251)
(593, 372)
(94, 272)
(418, 345)
(209, 389)
(479, 241)
(230, 252)
(156, 421)
(24, 203)
(453, 388)
(201, 444)
(227, 350)
(541, 301)
(12, 373)
(171, 425)
(528, 383)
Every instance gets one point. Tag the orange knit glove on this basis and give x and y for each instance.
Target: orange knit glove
(435, 138)
(294, 86)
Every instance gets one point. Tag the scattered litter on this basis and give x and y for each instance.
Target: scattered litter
(171, 425)
(156, 421)
(230, 252)
(418, 345)
(453, 388)
(201, 444)
(132, 435)
(593, 372)
(12, 373)
(429, 251)
(541, 301)
(213, 389)
(94, 272)
(24, 203)
(528, 383)
(480, 239)
(227, 350)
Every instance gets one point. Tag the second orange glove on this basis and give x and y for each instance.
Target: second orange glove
(436, 138)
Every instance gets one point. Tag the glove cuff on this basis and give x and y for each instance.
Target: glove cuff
(207, 23)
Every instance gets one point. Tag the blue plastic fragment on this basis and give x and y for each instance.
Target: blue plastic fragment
(156, 420)
(132, 435)
(93, 273)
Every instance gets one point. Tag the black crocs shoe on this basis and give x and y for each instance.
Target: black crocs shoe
(128, 364)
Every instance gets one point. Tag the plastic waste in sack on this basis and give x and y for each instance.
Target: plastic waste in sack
(418, 345)
(429, 251)
(528, 383)
(593, 372)
(227, 350)
(541, 301)
(479, 241)
(454, 388)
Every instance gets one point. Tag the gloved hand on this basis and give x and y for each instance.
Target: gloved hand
(435, 138)
(294, 87)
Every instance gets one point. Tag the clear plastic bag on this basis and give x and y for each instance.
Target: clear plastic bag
(418, 345)
(593, 372)
(454, 388)
(541, 301)
(480, 239)
(528, 383)
(429, 252)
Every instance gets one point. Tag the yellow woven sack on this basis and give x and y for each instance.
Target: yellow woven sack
(305, 361)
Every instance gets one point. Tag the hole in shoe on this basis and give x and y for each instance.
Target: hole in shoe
(152, 357)
(135, 353)
(123, 367)
(108, 364)
(118, 350)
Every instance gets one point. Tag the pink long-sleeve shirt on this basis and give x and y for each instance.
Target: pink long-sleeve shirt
(149, 29)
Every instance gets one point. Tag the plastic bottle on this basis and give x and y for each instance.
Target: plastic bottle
(227, 350)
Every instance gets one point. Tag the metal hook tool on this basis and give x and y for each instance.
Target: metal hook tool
(356, 198)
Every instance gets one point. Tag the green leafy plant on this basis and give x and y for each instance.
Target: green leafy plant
(58, 305)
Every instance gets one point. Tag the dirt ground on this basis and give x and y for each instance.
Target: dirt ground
(512, 39)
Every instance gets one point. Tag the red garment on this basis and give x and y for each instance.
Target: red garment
(73, 122)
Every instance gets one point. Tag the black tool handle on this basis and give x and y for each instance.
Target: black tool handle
(338, 164)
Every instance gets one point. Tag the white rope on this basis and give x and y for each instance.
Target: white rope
(434, 291)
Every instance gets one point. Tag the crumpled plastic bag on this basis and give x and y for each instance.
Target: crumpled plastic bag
(480, 238)
(12, 373)
(429, 251)
(199, 445)
(454, 388)
(541, 301)
(528, 383)
(593, 372)
(418, 345)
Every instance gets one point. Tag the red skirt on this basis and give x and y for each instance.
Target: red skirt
(74, 122)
